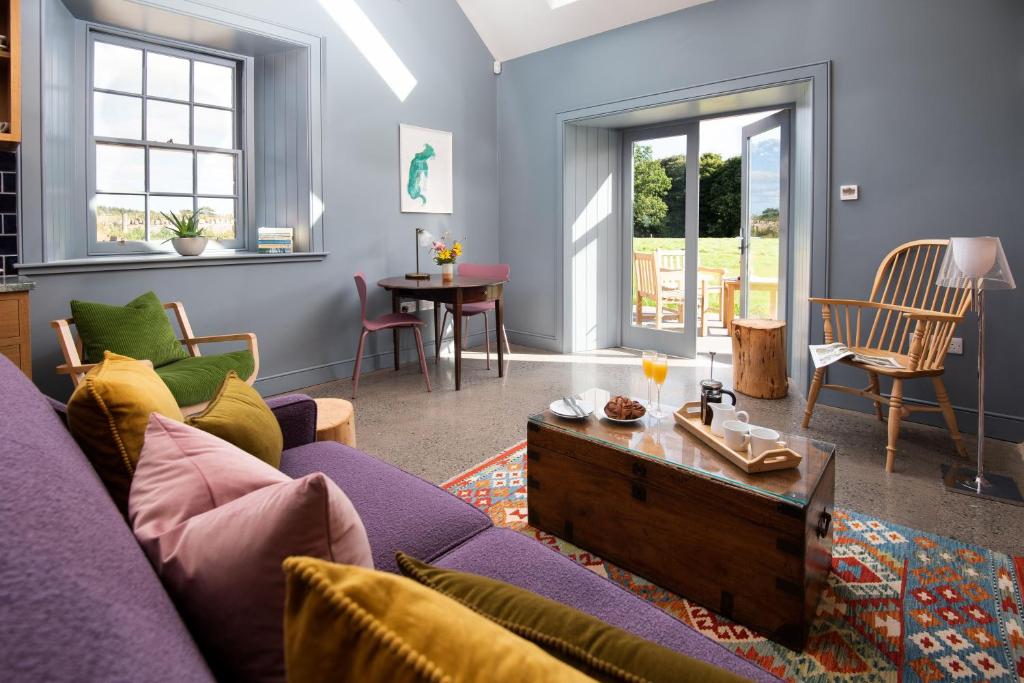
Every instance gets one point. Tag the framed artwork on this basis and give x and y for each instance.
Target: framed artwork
(425, 158)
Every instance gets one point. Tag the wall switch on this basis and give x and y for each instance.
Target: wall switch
(848, 192)
(956, 345)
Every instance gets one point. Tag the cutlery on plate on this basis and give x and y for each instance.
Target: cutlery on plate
(572, 405)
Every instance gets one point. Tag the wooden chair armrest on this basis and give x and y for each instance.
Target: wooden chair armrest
(241, 336)
(65, 369)
(909, 311)
(929, 316)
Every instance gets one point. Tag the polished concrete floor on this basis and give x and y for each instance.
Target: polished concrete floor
(440, 434)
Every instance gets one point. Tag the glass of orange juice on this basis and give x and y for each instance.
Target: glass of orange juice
(659, 371)
(648, 357)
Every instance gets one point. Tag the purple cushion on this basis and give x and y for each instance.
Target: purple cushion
(399, 510)
(78, 599)
(517, 559)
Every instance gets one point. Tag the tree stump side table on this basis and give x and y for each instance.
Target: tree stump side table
(335, 421)
(759, 358)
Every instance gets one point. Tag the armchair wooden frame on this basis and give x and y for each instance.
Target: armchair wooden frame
(907, 318)
(71, 347)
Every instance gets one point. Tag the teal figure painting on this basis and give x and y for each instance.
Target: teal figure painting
(425, 170)
(419, 169)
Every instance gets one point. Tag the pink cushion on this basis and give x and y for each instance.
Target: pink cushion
(216, 523)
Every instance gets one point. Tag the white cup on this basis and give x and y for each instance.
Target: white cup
(737, 434)
(724, 413)
(763, 439)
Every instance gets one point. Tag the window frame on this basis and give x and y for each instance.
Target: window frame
(240, 108)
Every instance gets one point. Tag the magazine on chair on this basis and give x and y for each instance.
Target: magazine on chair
(827, 354)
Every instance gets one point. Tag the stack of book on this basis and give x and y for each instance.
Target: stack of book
(274, 240)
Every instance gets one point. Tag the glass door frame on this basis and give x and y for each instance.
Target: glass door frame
(783, 120)
(635, 336)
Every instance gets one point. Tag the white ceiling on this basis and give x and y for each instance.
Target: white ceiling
(513, 28)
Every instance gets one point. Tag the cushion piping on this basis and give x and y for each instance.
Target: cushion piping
(367, 623)
(216, 397)
(89, 386)
(531, 634)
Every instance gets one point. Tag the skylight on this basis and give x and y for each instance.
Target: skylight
(555, 4)
(369, 41)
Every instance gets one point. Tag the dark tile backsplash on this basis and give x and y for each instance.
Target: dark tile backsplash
(9, 205)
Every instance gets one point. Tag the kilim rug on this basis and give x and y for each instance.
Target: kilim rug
(901, 604)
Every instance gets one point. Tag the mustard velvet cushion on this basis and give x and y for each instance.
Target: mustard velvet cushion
(346, 623)
(586, 643)
(139, 329)
(240, 416)
(108, 414)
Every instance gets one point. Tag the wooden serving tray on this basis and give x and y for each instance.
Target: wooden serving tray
(776, 459)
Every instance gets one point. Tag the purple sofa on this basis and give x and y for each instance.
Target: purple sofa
(79, 601)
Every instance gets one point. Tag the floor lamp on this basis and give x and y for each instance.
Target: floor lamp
(978, 264)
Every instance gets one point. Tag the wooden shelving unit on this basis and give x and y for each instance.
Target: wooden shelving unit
(10, 72)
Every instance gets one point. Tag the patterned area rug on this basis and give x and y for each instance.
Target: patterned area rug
(901, 604)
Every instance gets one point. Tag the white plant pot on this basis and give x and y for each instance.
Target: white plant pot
(189, 246)
(447, 272)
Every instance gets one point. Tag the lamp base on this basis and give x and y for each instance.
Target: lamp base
(417, 276)
(998, 487)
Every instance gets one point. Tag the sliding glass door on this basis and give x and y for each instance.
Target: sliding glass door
(660, 240)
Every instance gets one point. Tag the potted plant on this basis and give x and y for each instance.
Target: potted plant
(446, 256)
(188, 237)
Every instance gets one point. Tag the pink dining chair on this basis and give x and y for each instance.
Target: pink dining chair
(388, 321)
(498, 271)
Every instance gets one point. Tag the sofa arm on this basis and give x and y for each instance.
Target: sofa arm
(296, 413)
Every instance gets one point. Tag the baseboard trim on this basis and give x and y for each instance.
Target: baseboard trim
(535, 340)
(292, 380)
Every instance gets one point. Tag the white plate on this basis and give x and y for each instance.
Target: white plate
(562, 409)
(629, 421)
(622, 422)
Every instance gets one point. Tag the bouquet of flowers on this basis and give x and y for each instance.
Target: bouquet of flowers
(443, 253)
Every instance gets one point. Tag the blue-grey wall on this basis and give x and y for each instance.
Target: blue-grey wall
(927, 105)
(306, 314)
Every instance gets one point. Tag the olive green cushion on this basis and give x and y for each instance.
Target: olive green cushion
(584, 642)
(194, 380)
(139, 329)
(240, 416)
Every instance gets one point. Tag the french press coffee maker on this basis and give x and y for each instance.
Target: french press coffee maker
(711, 392)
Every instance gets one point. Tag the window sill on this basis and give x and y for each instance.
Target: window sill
(147, 262)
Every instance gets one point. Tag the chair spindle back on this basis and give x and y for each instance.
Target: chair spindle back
(906, 278)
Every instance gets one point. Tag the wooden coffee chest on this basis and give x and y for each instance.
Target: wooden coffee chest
(650, 498)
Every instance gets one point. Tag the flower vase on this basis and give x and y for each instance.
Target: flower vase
(447, 273)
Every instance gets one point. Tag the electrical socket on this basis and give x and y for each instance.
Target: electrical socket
(956, 344)
(416, 306)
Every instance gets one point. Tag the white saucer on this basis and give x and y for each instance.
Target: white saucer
(562, 409)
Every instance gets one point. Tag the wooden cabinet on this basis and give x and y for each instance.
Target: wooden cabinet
(10, 71)
(15, 340)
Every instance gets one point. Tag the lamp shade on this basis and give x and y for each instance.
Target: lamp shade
(976, 262)
(425, 238)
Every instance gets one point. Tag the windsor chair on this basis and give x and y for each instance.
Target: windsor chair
(907, 318)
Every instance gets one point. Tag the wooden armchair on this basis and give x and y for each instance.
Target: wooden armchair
(71, 347)
(907, 318)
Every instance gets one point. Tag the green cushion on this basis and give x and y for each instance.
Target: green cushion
(139, 330)
(586, 643)
(194, 380)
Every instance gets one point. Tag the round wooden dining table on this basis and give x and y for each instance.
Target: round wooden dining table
(461, 290)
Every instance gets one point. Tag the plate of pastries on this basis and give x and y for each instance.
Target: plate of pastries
(624, 409)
